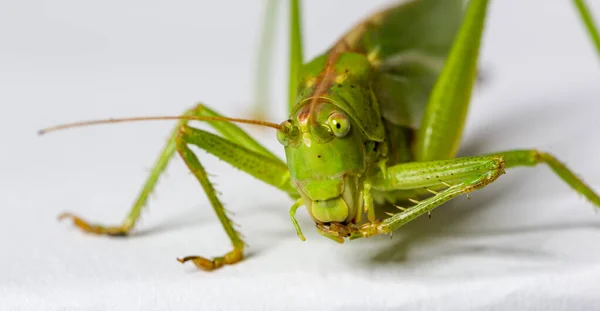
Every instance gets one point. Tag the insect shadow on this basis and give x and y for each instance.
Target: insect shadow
(450, 220)
(201, 214)
(189, 218)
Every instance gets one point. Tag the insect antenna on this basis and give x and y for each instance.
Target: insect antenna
(66, 126)
(327, 76)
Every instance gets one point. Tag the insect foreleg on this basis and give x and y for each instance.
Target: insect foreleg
(460, 176)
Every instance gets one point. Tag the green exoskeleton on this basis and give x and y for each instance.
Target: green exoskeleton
(375, 122)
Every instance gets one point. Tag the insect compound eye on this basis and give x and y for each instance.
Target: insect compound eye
(288, 133)
(339, 123)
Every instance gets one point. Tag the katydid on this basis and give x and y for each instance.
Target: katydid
(374, 122)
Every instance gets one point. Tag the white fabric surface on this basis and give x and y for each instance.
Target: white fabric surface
(527, 242)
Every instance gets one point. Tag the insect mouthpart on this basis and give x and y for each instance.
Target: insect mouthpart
(332, 210)
(332, 199)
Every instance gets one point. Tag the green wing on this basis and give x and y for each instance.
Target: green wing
(407, 45)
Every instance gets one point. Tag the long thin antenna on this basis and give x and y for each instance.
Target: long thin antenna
(327, 76)
(138, 119)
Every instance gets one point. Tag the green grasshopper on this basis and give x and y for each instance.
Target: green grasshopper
(375, 122)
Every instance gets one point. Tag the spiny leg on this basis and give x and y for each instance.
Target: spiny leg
(462, 175)
(459, 176)
(228, 130)
(408, 214)
(271, 171)
(237, 253)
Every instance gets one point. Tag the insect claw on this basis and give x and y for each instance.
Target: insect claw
(429, 214)
(414, 201)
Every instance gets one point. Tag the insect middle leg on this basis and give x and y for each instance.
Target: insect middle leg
(460, 176)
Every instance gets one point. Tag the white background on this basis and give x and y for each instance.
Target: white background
(525, 242)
